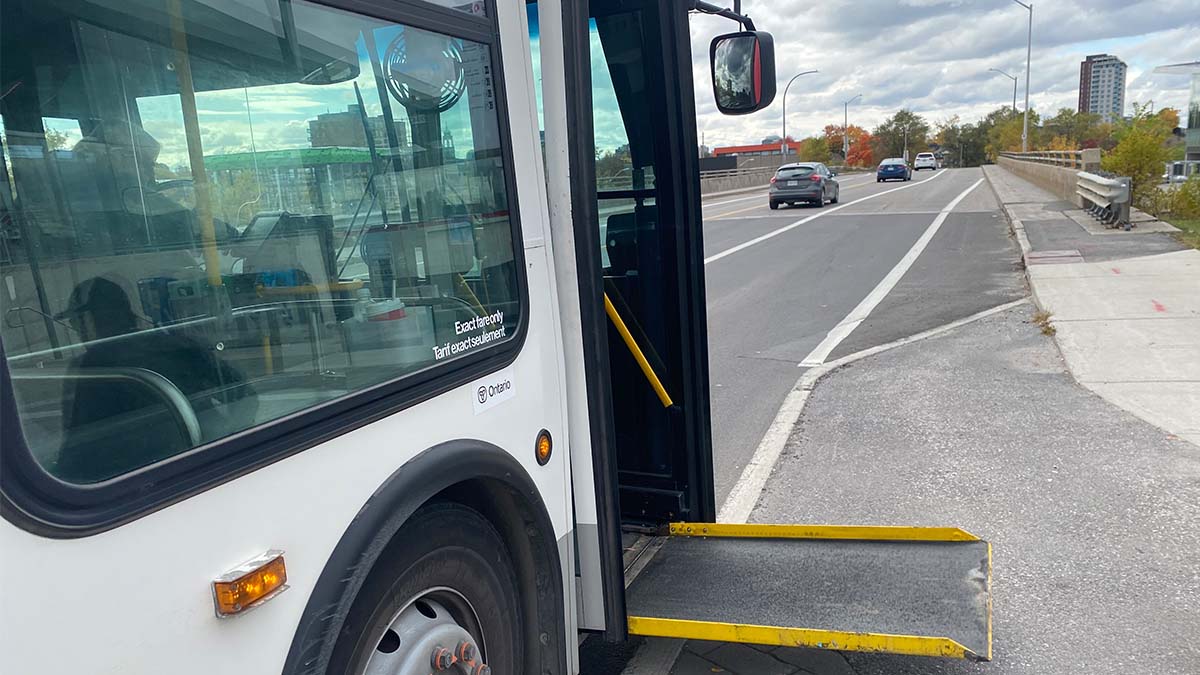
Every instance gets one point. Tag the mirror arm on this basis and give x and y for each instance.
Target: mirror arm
(735, 13)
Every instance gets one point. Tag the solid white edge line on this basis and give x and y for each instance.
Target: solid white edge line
(823, 212)
(745, 493)
(857, 315)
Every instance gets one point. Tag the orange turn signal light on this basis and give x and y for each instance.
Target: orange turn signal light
(543, 447)
(250, 584)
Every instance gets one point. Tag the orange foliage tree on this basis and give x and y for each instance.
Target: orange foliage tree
(860, 144)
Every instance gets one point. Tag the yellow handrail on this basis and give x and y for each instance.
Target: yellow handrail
(637, 353)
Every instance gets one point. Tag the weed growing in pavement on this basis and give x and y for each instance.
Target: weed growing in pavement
(1041, 318)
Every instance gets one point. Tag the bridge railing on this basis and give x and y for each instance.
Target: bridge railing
(1085, 160)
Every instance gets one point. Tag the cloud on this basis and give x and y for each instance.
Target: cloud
(933, 56)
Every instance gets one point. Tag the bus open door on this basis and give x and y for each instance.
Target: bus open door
(639, 256)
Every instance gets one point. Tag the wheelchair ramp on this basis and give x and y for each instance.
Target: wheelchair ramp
(900, 590)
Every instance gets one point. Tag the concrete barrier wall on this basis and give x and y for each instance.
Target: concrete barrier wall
(1058, 180)
(740, 182)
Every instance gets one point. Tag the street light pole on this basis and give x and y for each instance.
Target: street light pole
(846, 128)
(1014, 79)
(904, 154)
(783, 146)
(1028, 55)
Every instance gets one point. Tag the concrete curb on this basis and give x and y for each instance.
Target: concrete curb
(1018, 230)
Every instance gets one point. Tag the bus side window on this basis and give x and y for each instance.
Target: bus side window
(200, 242)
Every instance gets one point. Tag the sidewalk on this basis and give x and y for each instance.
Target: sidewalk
(1126, 306)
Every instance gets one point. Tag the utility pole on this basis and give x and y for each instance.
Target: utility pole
(783, 146)
(846, 128)
(1028, 55)
(1014, 79)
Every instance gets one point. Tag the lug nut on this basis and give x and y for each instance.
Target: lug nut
(482, 669)
(466, 651)
(442, 659)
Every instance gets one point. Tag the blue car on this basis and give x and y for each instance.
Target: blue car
(893, 168)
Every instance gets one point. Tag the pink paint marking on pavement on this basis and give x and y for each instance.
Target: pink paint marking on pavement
(1116, 270)
(1158, 306)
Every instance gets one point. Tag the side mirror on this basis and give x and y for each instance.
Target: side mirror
(743, 71)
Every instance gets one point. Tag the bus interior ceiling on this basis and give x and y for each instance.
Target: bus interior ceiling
(650, 240)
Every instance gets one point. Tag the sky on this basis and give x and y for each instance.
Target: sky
(933, 56)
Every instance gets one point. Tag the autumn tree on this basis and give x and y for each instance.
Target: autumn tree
(860, 140)
(861, 153)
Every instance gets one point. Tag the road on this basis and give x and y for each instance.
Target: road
(770, 304)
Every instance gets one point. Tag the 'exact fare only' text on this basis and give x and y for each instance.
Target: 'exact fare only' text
(492, 325)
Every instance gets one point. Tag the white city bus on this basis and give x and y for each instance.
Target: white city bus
(326, 351)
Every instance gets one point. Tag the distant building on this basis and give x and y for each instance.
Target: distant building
(760, 149)
(1102, 86)
(345, 130)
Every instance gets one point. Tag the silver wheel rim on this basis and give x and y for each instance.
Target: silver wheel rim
(428, 634)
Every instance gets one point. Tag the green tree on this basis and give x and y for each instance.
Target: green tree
(1075, 128)
(1005, 135)
(963, 144)
(1140, 153)
(889, 136)
(814, 149)
(55, 140)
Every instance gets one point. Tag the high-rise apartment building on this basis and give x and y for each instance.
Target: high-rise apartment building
(1102, 86)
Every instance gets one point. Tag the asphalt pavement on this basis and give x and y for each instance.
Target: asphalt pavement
(772, 303)
(1091, 512)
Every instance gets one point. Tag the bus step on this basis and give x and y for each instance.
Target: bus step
(902, 590)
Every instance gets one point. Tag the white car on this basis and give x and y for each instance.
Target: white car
(925, 160)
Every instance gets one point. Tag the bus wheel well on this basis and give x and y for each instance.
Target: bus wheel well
(524, 527)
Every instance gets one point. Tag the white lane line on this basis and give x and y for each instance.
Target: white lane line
(745, 493)
(856, 316)
(823, 212)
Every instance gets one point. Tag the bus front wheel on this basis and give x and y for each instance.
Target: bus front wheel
(442, 598)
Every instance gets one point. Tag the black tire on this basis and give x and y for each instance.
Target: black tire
(443, 545)
(820, 203)
(836, 195)
(774, 205)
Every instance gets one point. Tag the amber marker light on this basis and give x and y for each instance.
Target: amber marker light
(543, 447)
(250, 584)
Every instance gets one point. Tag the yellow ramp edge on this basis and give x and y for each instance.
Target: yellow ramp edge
(911, 645)
(863, 532)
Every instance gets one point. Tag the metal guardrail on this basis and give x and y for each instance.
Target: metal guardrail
(733, 173)
(1106, 199)
(1071, 159)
